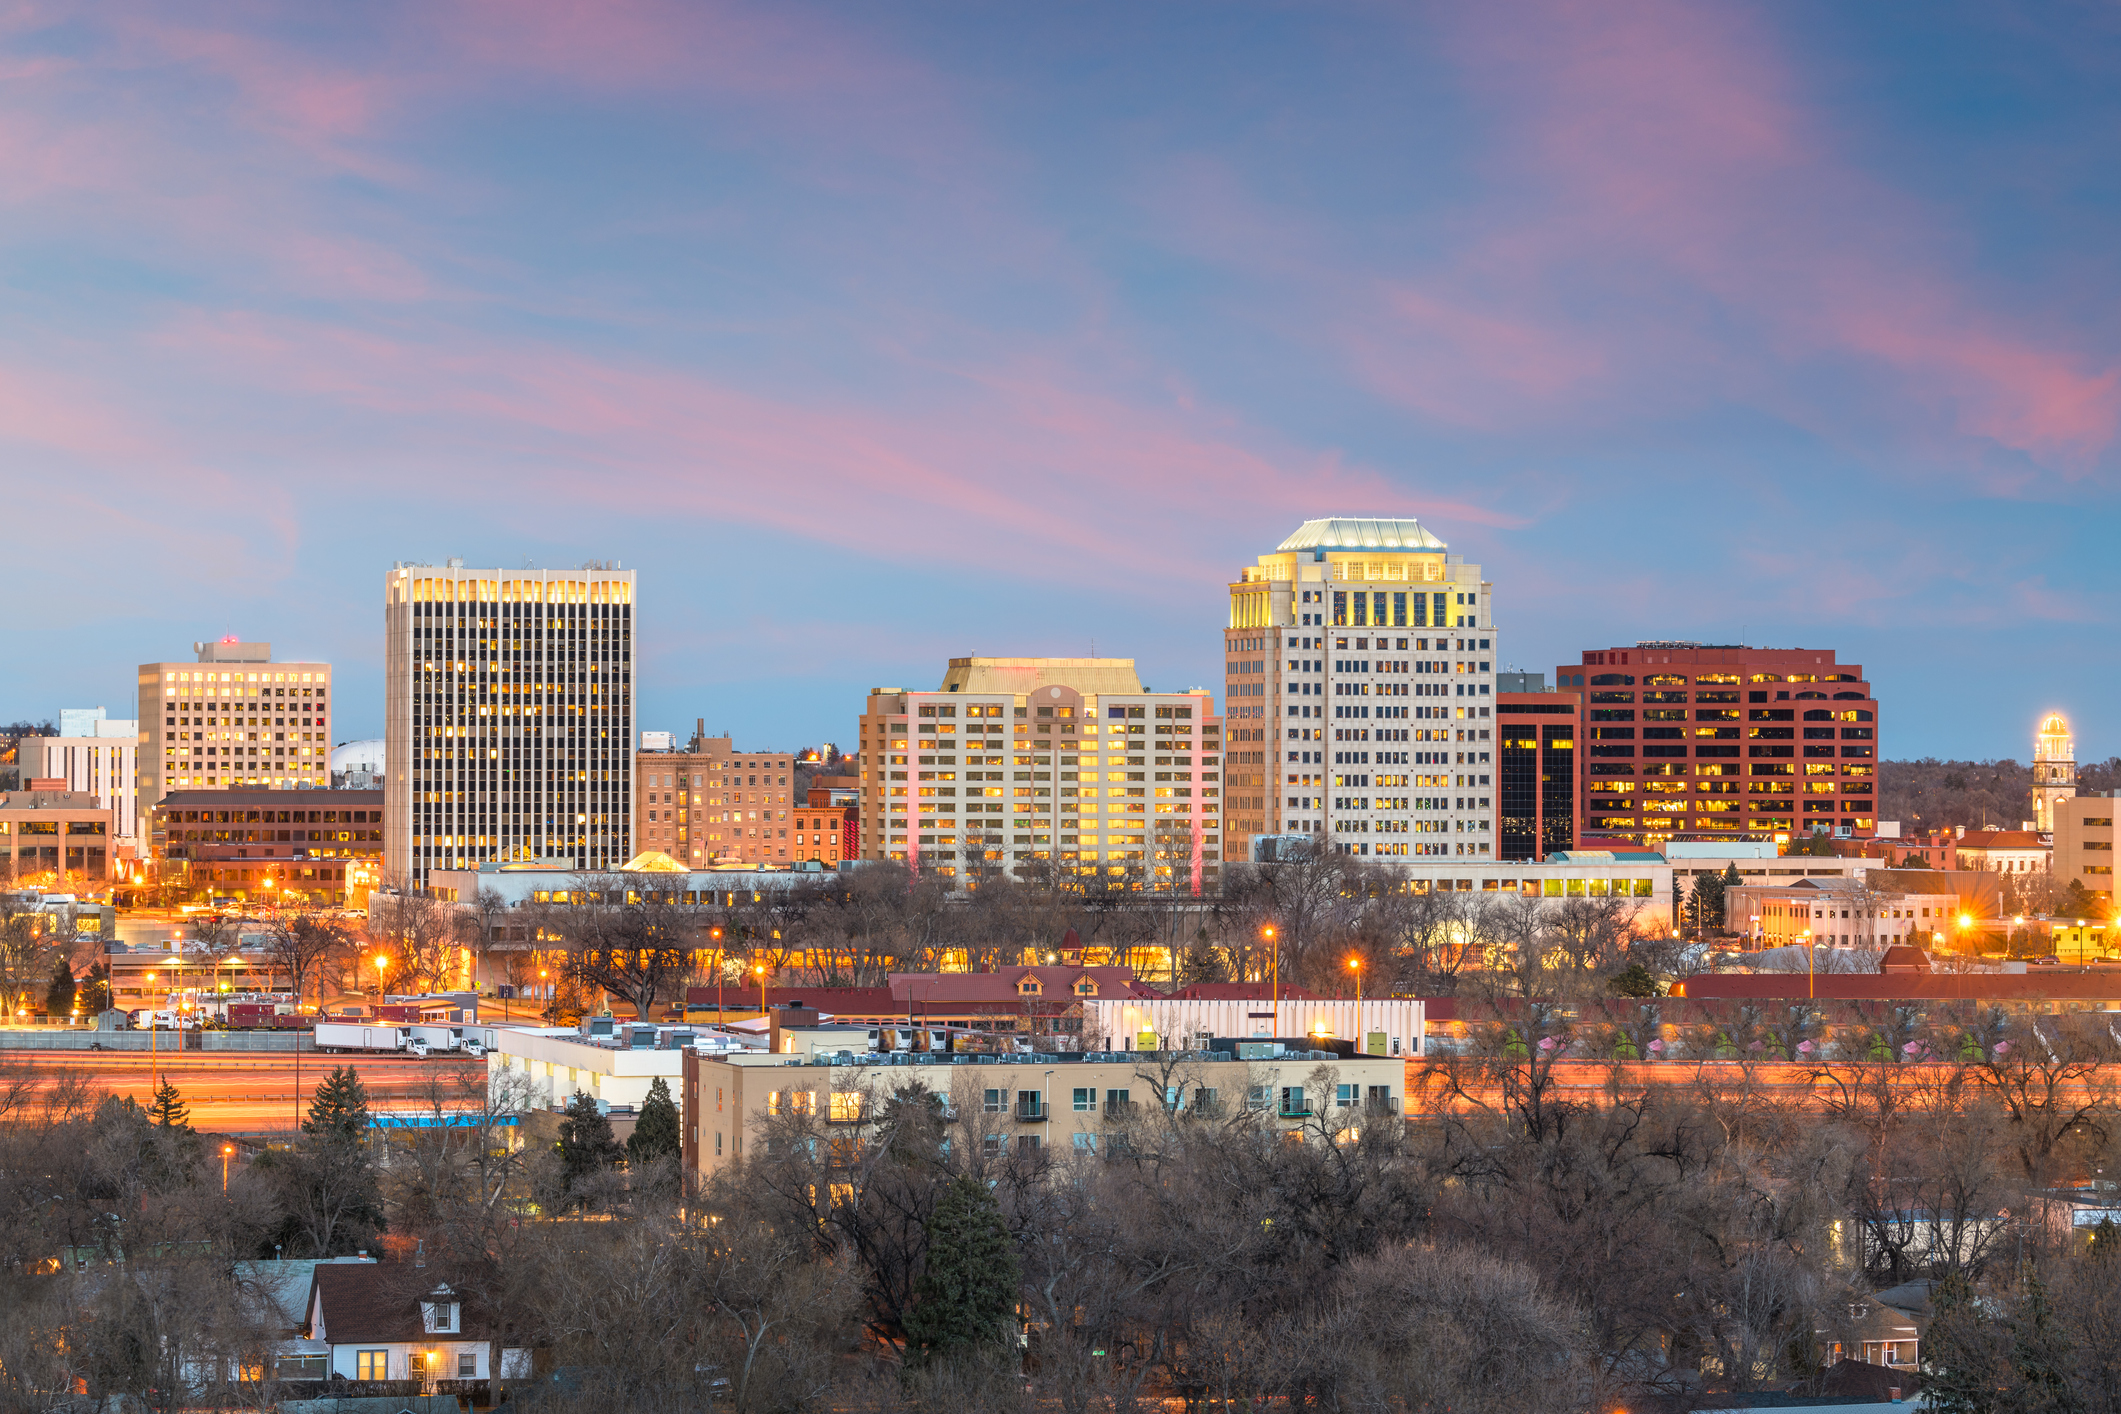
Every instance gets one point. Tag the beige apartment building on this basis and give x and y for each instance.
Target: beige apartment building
(54, 839)
(1360, 691)
(712, 806)
(2084, 843)
(233, 719)
(1084, 1103)
(1044, 767)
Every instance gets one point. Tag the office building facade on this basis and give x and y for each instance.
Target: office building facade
(2084, 844)
(508, 718)
(321, 847)
(232, 719)
(1536, 747)
(1360, 694)
(712, 806)
(1050, 768)
(1693, 741)
(93, 754)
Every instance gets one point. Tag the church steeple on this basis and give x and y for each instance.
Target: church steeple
(2054, 769)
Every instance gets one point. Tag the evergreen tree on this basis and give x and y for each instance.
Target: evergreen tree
(586, 1141)
(2041, 1355)
(967, 1291)
(169, 1110)
(59, 997)
(1962, 1352)
(1634, 980)
(340, 1106)
(657, 1133)
(94, 993)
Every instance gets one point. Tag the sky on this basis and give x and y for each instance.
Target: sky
(876, 335)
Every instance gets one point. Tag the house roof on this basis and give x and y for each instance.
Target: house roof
(1003, 984)
(286, 1286)
(379, 1302)
(2001, 839)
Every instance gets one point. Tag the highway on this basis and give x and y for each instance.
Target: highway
(247, 1093)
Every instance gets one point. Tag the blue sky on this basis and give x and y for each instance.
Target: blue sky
(876, 335)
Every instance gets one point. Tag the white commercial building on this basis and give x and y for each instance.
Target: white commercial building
(1384, 1026)
(93, 755)
(560, 1062)
(508, 718)
(1359, 697)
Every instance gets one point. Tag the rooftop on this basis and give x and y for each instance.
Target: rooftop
(1357, 533)
(1097, 676)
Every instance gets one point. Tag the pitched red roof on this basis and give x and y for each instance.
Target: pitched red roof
(836, 1001)
(1001, 985)
(2000, 839)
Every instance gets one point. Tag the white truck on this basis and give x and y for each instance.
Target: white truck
(439, 1037)
(340, 1036)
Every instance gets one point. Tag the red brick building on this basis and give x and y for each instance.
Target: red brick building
(1692, 741)
(710, 804)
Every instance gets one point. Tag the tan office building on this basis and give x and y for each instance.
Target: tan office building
(233, 719)
(1043, 766)
(93, 755)
(2084, 842)
(710, 805)
(54, 839)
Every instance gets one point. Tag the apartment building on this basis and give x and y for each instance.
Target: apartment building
(93, 754)
(708, 805)
(1045, 767)
(1694, 741)
(508, 718)
(1537, 729)
(1360, 694)
(1083, 1103)
(2084, 843)
(233, 719)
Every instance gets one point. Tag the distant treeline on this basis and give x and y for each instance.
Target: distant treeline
(1977, 794)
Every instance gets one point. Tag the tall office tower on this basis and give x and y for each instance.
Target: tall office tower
(2054, 770)
(1694, 741)
(1360, 698)
(233, 719)
(508, 718)
(92, 755)
(1076, 772)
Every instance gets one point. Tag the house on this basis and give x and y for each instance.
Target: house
(283, 1288)
(379, 1321)
(1876, 1334)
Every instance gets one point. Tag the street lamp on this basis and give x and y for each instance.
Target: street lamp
(760, 969)
(382, 966)
(1808, 984)
(226, 1151)
(1355, 966)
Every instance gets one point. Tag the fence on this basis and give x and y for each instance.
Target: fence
(40, 1039)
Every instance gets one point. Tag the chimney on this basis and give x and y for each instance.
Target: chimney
(792, 1014)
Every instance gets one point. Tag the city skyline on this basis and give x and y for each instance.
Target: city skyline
(1746, 324)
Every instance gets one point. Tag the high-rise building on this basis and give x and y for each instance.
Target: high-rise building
(711, 805)
(508, 718)
(1061, 768)
(2054, 770)
(1694, 741)
(233, 719)
(1360, 697)
(93, 754)
(1536, 732)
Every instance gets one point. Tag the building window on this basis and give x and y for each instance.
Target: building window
(371, 1364)
(1085, 1100)
(467, 1365)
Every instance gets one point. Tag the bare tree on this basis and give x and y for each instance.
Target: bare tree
(298, 940)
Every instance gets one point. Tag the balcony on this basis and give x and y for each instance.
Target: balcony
(1032, 1113)
(1295, 1109)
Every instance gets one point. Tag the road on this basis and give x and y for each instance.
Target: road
(239, 1093)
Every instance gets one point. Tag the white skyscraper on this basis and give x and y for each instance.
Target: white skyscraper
(509, 723)
(1360, 665)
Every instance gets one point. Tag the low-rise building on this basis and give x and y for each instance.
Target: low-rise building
(388, 1321)
(1847, 913)
(613, 1061)
(2084, 843)
(58, 839)
(2005, 851)
(1378, 1026)
(1035, 1103)
(318, 846)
